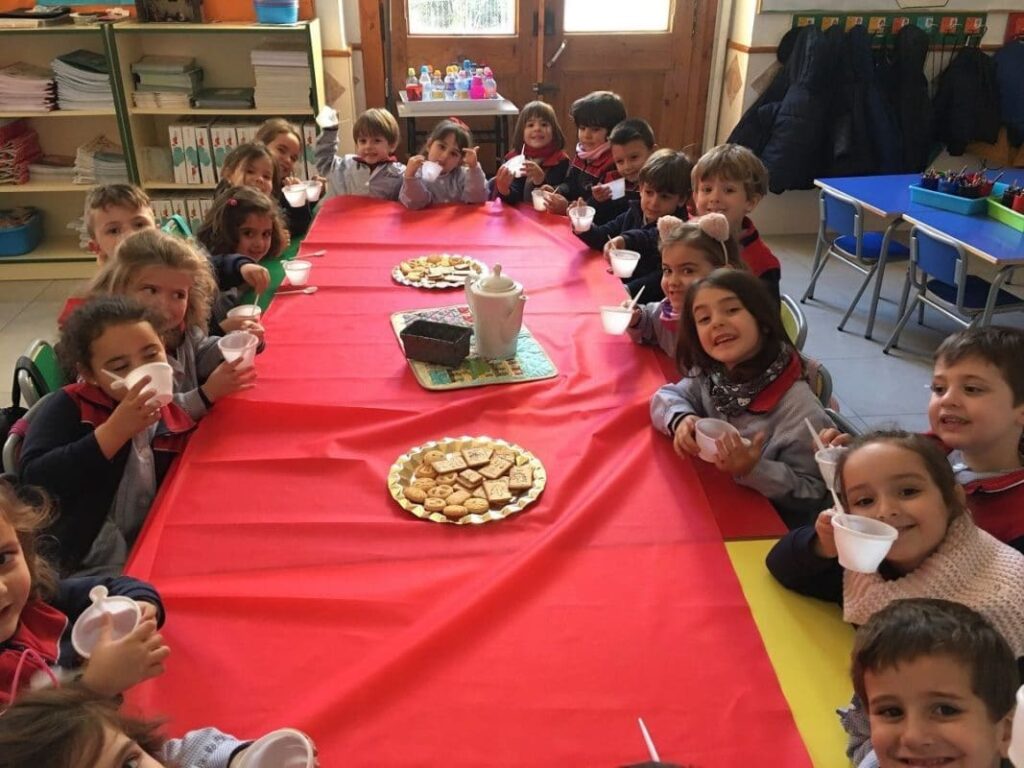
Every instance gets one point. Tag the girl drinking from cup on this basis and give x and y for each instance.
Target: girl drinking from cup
(101, 446)
(437, 174)
(164, 274)
(690, 250)
(287, 147)
(39, 611)
(540, 160)
(743, 371)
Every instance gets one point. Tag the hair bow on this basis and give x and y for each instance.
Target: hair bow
(232, 201)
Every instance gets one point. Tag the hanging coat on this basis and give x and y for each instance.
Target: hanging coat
(966, 106)
(906, 89)
(1009, 62)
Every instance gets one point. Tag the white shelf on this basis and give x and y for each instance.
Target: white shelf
(62, 113)
(53, 259)
(218, 112)
(176, 185)
(209, 27)
(33, 187)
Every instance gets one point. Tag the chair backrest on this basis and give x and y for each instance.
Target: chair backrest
(176, 225)
(841, 214)
(842, 423)
(793, 321)
(936, 255)
(38, 372)
(12, 445)
(44, 356)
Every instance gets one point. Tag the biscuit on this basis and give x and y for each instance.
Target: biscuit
(426, 483)
(479, 493)
(497, 492)
(495, 469)
(505, 453)
(414, 494)
(520, 478)
(446, 479)
(477, 457)
(434, 504)
(469, 478)
(432, 456)
(475, 505)
(458, 497)
(441, 491)
(453, 464)
(425, 470)
(455, 510)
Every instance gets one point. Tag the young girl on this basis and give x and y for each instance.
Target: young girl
(250, 165)
(242, 228)
(99, 450)
(744, 370)
(286, 145)
(373, 171)
(449, 144)
(164, 274)
(39, 611)
(595, 115)
(71, 728)
(690, 250)
(539, 137)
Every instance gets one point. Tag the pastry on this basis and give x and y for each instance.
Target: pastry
(498, 494)
(475, 505)
(459, 496)
(495, 469)
(440, 491)
(434, 504)
(446, 479)
(520, 478)
(477, 457)
(452, 464)
(426, 483)
(479, 493)
(414, 494)
(455, 510)
(469, 478)
(425, 470)
(431, 456)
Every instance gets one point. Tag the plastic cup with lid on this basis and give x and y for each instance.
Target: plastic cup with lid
(582, 217)
(295, 194)
(313, 190)
(623, 262)
(430, 170)
(284, 748)
(615, 319)
(246, 311)
(707, 433)
(862, 542)
(161, 382)
(297, 271)
(539, 203)
(239, 344)
(124, 613)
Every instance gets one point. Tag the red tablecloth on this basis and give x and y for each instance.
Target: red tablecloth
(299, 593)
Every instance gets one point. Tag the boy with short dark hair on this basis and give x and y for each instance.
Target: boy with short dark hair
(632, 142)
(373, 171)
(937, 682)
(664, 182)
(732, 180)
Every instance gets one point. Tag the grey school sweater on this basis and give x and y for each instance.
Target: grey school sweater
(463, 185)
(653, 331)
(196, 357)
(348, 175)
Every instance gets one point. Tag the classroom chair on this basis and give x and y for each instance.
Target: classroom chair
(937, 275)
(793, 321)
(863, 251)
(38, 371)
(176, 225)
(11, 455)
(842, 423)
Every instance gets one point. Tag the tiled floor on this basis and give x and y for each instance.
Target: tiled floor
(873, 389)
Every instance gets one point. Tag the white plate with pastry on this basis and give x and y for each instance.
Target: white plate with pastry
(438, 270)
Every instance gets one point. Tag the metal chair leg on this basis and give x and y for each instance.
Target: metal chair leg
(856, 298)
(883, 259)
(892, 342)
(818, 268)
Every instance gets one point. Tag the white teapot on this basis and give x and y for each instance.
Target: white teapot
(496, 302)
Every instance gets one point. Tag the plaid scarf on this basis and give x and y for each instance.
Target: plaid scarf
(732, 398)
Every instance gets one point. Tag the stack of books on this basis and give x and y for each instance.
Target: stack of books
(40, 16)
(224, 98)
(83, 81)
(55, 169)
(166, 82)
(282, 78)
(19, 146)
(27, 88)
(100, 161)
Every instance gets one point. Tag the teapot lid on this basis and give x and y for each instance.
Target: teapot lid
(496, 282)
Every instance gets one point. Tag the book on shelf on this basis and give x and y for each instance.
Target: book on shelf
(163, 64)
(177, 100)
(187, 81)
(83, 80)
(40, 16)
(27, 88)
(224, 98)
(53, 168)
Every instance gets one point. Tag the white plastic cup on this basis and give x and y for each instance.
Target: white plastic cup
(161, 381)
(827, 459)
(124, 612)
(863, 542)
(430, 170)
(247, 311)
(516, 165)
(582, 217)
(1017, 738)
(284, 748)
(617, 188)
(313, 190)
(295, 194)
(539, 204)
(239, 344)
(615, 319)
(623, 262)
(708, 431)
(297, 271)
(327, 118)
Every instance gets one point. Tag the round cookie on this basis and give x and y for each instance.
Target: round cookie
(455, 511)
(426, 483)
(475, 505)
(414, 494)
(425, 470)
(441, 491)
(448, 478)
(434, 504)
(431, 456)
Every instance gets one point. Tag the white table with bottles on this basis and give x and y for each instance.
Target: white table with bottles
(500, 108)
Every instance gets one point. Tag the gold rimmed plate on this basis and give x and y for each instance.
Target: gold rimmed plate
(401, 475)
(417, 270)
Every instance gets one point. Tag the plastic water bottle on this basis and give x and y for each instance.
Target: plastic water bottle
(437, 86)
(467, 67)
(413, 91)
(449, 84)
(476, 88)
(490, 84)
(461, 86)
(425, 81)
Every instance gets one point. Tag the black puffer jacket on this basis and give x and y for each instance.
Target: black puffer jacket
(906, 88)
(967, 102)
(1009, 61)
(754, 128)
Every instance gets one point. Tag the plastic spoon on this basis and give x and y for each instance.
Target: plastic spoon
(307, 290)
(648, 741)
(314, 253)
(117, 382)
(636, 298)
(821, 447)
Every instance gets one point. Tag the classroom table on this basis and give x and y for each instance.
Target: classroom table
(299, 593)
(500, 109)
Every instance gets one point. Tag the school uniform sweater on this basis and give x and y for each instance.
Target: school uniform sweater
(609, 209)
(759, 257)
(787, 473)
(195, 358)
(658, 326)
(350, 175)
(996, 500)
(584, 174)
(555, 165)
(462, 185)
(62, 456)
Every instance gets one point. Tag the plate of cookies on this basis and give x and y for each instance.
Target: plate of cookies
(438, 270)
(466, 480)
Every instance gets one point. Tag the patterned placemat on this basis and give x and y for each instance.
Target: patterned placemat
(531, 362)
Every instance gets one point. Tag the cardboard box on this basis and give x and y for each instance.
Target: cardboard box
(162, 210)
(309, 147)
(177, 154)
(195, 214)
(188, 141)
(204, 151)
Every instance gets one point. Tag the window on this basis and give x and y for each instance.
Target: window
(617, 16)
(462, 17)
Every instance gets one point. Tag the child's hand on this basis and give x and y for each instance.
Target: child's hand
(601, 193)
(149, 611)
(413, 165)
(833, 437)
(236, 759)
(825, 543)
(503, 180)
(534, 172)
(256, 276)
(229, 324)
(227, 379)
(290, 180)
(684, 441)
(117, 665)
(736, 458)
(470, 157)
(634, 318)
(131, 416)
(615, 244)
(556, 203)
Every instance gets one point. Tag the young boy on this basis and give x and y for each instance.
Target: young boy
(595, 115)
(937, 682)
(731, 180)
(664, 182)
(632, 142)
(373, 171)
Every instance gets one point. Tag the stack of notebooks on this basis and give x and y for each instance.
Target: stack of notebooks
(27, 88)
(224, 98)
(166, 82)
(100, 161)
(83, 81)
(282, 78)
(19, 146)
(40, 16)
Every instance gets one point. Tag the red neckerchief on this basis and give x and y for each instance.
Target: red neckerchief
(95, 407)
(39, 630)
(769, 397)
(596, 166)
(546, 156)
